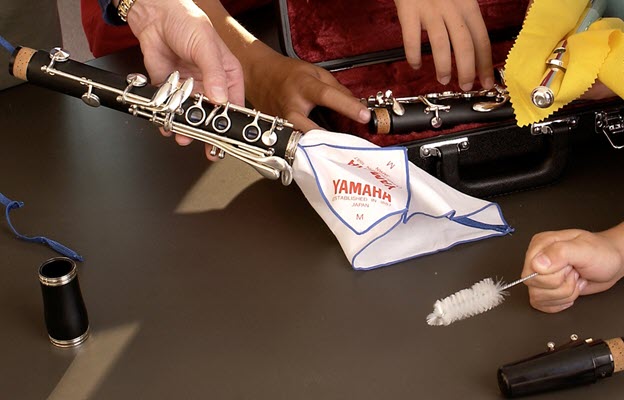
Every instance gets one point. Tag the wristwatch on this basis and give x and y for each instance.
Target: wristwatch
(124, 8)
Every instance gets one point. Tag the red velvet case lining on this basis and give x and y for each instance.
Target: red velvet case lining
(326, 30)
(104, 39)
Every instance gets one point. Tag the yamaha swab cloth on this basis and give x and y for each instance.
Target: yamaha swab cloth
(381, 207)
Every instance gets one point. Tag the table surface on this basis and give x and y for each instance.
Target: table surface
(204, 281)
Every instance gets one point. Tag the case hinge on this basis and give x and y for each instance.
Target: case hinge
(433, 149)
(611, 124)
(553, 126)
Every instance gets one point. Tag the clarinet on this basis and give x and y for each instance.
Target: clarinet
(265, 142)
(575, 363)
(436, 111)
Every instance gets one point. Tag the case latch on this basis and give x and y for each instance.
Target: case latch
(611, 124)
(433, 149)
(553, 126)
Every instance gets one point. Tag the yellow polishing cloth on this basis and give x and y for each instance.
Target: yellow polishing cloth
(597, 53)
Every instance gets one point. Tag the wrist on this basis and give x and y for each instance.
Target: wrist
(616, 236)
(123, 8)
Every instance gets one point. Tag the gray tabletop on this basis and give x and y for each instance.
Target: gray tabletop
(203, 281)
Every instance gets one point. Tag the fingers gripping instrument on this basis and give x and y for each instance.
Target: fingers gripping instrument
(265, 142)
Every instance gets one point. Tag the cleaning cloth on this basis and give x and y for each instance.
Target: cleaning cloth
(382, 208)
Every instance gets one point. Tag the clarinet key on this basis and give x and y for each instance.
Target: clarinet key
(90, 98)
(269, 137)
(221, 123)
(196, 114)
(251, 131)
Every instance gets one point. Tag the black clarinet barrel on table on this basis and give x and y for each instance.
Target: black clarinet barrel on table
(65, 313)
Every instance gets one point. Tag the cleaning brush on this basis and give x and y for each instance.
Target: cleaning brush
(481, 297)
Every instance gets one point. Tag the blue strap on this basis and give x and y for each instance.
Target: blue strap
(10, 204)
(7, 45)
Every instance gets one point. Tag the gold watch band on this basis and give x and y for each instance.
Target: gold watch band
(124, 8)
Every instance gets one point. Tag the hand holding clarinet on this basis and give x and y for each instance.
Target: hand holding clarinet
(179, 36)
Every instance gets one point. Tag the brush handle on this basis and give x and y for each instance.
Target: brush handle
(514, 283)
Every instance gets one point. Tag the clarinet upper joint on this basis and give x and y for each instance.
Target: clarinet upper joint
(265, 142)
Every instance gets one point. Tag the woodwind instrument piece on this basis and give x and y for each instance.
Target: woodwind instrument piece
(434, 111)
(577, 362)
(543, 96)
(265, 142)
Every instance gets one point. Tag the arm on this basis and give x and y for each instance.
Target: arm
(280, 85)
(572, 263)
(456, 23)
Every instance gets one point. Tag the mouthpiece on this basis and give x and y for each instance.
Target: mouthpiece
(575, 363)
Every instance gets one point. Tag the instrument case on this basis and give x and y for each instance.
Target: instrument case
(361, 44)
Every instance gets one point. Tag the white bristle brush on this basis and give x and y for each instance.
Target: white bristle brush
(481, 297)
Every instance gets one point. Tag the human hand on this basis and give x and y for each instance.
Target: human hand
(291, 88)
(178, 36)
(598, 91)
(456, 23)
(572, 263)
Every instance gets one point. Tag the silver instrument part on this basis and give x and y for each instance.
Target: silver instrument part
(222, 122)
(269, 137)
(251, 132)
(57, 54)
(487, 106)
(196, 114)
(90, 98)
(543, 96)
(137, 80)
(493, 99)
(436, 121)
(166, 103)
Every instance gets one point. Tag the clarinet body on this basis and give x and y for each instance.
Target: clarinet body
(435, 111)
(265, 142)
(576, 363)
